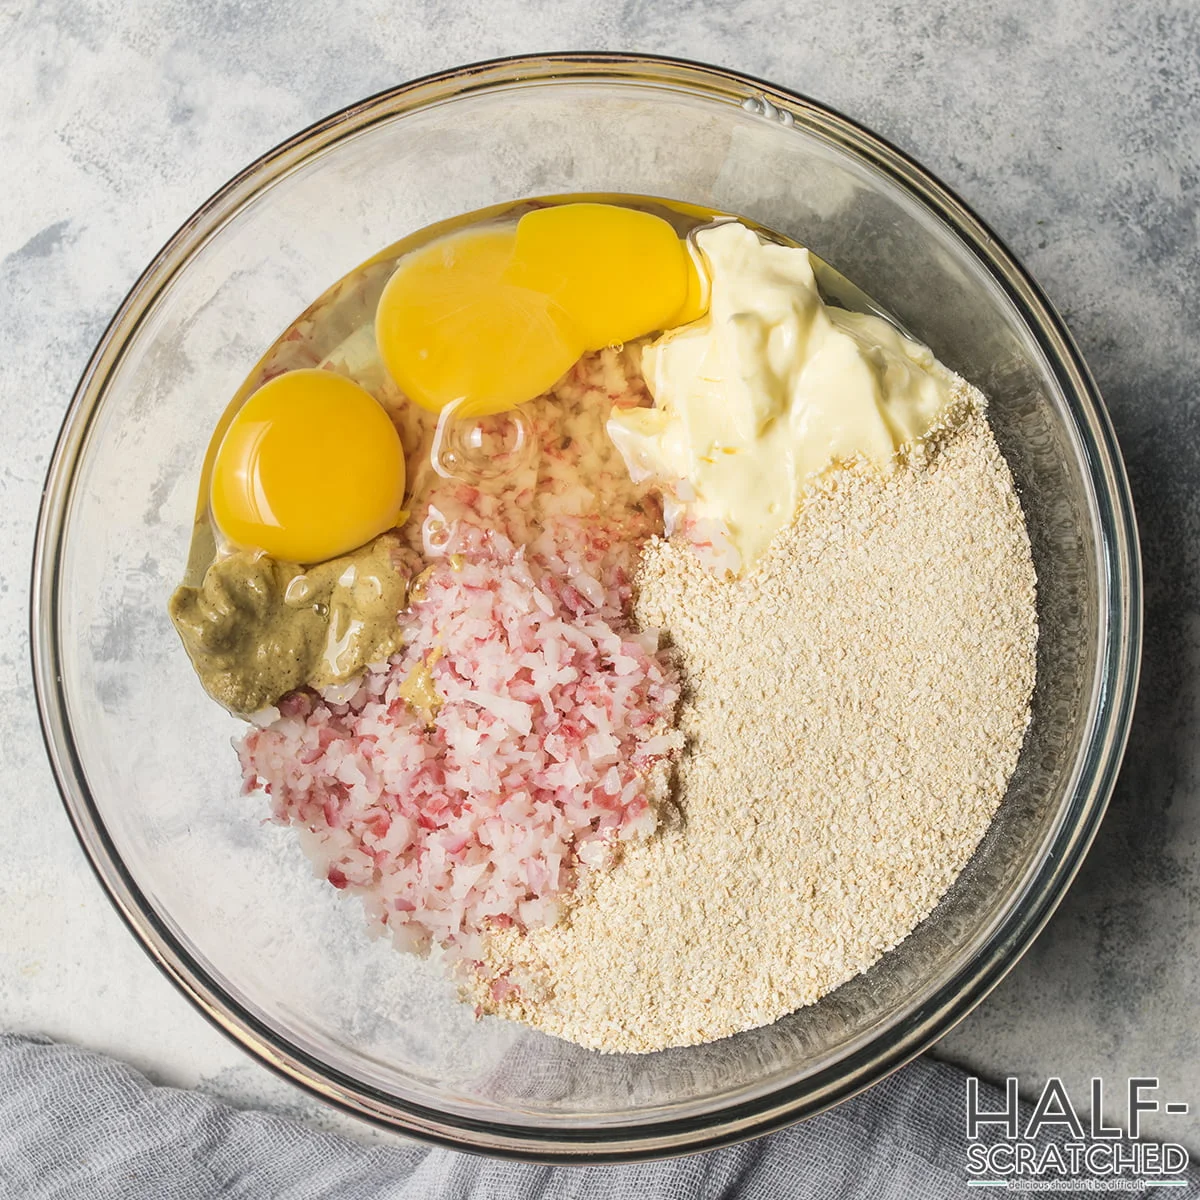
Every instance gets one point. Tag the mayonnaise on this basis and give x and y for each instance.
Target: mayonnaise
(769, 389)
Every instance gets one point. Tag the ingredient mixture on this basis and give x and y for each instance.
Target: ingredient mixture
(615, 616)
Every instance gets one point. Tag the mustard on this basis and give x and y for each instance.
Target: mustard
(258, 628)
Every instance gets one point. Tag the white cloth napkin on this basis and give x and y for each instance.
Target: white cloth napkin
(78, 1126)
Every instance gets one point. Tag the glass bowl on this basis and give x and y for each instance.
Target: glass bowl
(227, 904)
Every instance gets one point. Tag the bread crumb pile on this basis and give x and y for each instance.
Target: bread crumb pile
(853, 708)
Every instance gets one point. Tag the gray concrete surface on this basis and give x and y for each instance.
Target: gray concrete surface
(1072, 126)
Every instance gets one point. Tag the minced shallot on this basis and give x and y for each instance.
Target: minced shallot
(534, 756)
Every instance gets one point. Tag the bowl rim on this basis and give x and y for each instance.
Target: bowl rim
(1096, 764)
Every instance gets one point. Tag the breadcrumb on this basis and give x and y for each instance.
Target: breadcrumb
(854, 708)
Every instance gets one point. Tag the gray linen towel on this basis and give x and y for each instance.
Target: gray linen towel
(77, 1126)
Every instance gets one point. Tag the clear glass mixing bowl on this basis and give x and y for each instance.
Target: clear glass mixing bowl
(227, 904)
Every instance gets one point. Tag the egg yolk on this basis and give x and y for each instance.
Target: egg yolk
(451, 329)
(618, 272)
(310, 467)
(491, 318)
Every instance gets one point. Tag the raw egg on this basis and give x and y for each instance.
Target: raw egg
(310, 467)
(451, 329)
(493, 317)
(618, 272)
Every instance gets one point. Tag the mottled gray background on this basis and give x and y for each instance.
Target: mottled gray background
(1072, 126)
